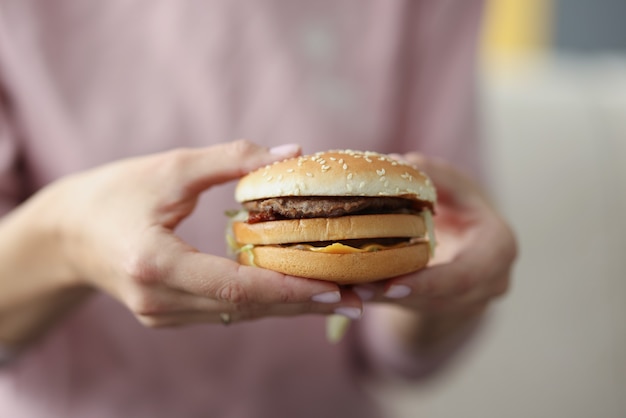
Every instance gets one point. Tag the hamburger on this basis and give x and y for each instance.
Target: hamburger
(344, 216)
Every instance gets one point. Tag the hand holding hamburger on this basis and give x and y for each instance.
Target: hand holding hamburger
(351, 214)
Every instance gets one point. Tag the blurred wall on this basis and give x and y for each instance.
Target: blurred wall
(590, 25)
(517, 29)
(514, 29)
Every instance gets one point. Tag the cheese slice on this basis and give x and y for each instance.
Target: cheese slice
(339, 248)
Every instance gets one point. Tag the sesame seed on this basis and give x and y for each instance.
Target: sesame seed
(269, 178)
(290, 170)
(345, 166)
(280, 177)
(333, 159)
(361, 185)
(382, 178)
(349, 176)
(341, 161)
(325, 168)
(380, 172)
(367, 159)
(309, 174)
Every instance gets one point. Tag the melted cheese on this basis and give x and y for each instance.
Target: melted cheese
(338, 248)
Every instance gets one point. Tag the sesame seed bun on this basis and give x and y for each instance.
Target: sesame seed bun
(337, 173)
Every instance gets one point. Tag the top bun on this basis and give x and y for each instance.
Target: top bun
(337, 173)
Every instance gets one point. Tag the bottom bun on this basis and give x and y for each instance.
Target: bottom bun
(339, 268)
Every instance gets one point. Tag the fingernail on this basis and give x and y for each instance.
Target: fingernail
(327, 297)
(364, 293)
(398, 291)
(352, 313)
(285, 150)
(398, 157)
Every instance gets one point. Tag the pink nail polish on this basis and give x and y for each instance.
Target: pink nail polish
(285, 150)
(327, 297)
(398, 291)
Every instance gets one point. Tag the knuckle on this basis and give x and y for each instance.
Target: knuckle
(242, 147)
(234, 293)
(144, 268)
(171, 162)
(285, 295)
(169, 167)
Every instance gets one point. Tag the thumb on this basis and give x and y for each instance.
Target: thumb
(232, 160)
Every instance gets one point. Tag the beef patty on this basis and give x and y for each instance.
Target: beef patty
(298, 207)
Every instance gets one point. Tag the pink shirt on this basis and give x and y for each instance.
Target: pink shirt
(84, 82)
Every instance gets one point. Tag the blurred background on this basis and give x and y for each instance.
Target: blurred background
(554, 117)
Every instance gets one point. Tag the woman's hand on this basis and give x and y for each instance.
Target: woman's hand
(472, 266)
(117, 231)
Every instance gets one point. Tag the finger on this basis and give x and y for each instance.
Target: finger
(163, 301)
(160, 300)
(201, 168)
(450, 279)
(225, 280)
(351, 307)
(467, 303)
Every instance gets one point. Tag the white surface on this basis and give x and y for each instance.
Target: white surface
(556, 346)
